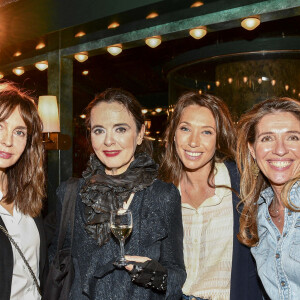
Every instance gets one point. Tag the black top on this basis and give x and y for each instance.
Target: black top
(157, 233)
(245, 283)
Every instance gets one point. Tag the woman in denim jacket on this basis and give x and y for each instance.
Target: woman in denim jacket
(269, 162)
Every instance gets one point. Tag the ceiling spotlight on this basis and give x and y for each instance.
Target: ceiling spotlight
(217, 83)
(1, 75)
(114, 49)
(245, 79)
(158, 109)
(113, 25)
(250, 23)
(152, 15)
(198, 32)
(80, 34)
(19, 71)
(197, 4)
(18, 53)
(42, 65)
(40, 45)
(81, 56)
(153, 41)
(85, 72)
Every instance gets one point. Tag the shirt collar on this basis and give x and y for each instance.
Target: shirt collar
(221, 178)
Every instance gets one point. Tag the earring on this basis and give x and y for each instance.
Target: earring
(255, 169)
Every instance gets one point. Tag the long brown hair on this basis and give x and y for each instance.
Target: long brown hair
(25, 179)
(251, 185)
(126, 99)
(171, 166)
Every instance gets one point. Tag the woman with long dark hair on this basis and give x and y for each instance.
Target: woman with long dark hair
(199, 160)
(21, 194)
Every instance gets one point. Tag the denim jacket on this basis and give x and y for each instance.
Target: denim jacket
(278, 255)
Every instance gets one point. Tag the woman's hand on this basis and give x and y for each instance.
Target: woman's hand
(140, 259)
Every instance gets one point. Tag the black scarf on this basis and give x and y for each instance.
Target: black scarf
(102, 193)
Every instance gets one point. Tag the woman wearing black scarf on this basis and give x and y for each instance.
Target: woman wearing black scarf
(119, 174)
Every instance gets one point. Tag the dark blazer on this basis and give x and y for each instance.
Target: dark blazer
(157, 233)
(6, 260)
(245, 283)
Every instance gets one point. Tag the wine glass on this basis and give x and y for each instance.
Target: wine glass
(121, 227)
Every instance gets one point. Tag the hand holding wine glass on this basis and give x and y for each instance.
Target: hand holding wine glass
(121, 227)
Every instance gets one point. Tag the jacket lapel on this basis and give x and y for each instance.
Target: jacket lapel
(6, 266)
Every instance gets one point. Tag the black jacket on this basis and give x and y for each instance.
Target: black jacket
(245, 283)
(6, 260)
(157, 233)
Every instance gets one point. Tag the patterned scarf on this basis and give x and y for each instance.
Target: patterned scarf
(102, 193)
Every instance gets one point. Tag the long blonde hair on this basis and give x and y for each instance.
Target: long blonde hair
(251, 185)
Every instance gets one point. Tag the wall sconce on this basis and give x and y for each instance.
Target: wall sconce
(153, 41)
(42, 65)
(114, 49)
(81, 56)
(19, 71)
(250, 23)
(48, 112)
(198, 32)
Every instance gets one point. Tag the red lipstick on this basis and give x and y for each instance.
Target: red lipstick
(112, 153)
(5, 155)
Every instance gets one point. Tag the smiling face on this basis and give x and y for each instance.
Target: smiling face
(195, 138)
(13, 138)
(114, 136)
(277, 148)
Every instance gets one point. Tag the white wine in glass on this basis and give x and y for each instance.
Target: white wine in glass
(121, 227)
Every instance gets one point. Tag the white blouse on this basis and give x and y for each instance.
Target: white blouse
(208, 242)
(23, 230)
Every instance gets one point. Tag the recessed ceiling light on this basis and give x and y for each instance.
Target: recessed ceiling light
(40, 45)
(152, 15)
(197, 4)
(18, 53)
(250, 23)
(80, 34)
(113, 25)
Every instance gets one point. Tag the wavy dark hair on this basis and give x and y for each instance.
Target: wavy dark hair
(171, 166)
(25, 179)
(131, 104)
(251, 185)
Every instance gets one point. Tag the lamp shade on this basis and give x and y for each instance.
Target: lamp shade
(48, 111)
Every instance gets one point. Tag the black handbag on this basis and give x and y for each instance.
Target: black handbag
(61, 271)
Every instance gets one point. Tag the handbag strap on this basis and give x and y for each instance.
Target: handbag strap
(22, 256)
(68, 211)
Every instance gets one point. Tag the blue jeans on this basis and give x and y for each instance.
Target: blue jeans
(185, 297)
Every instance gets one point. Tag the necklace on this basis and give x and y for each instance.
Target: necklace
(274, 211)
